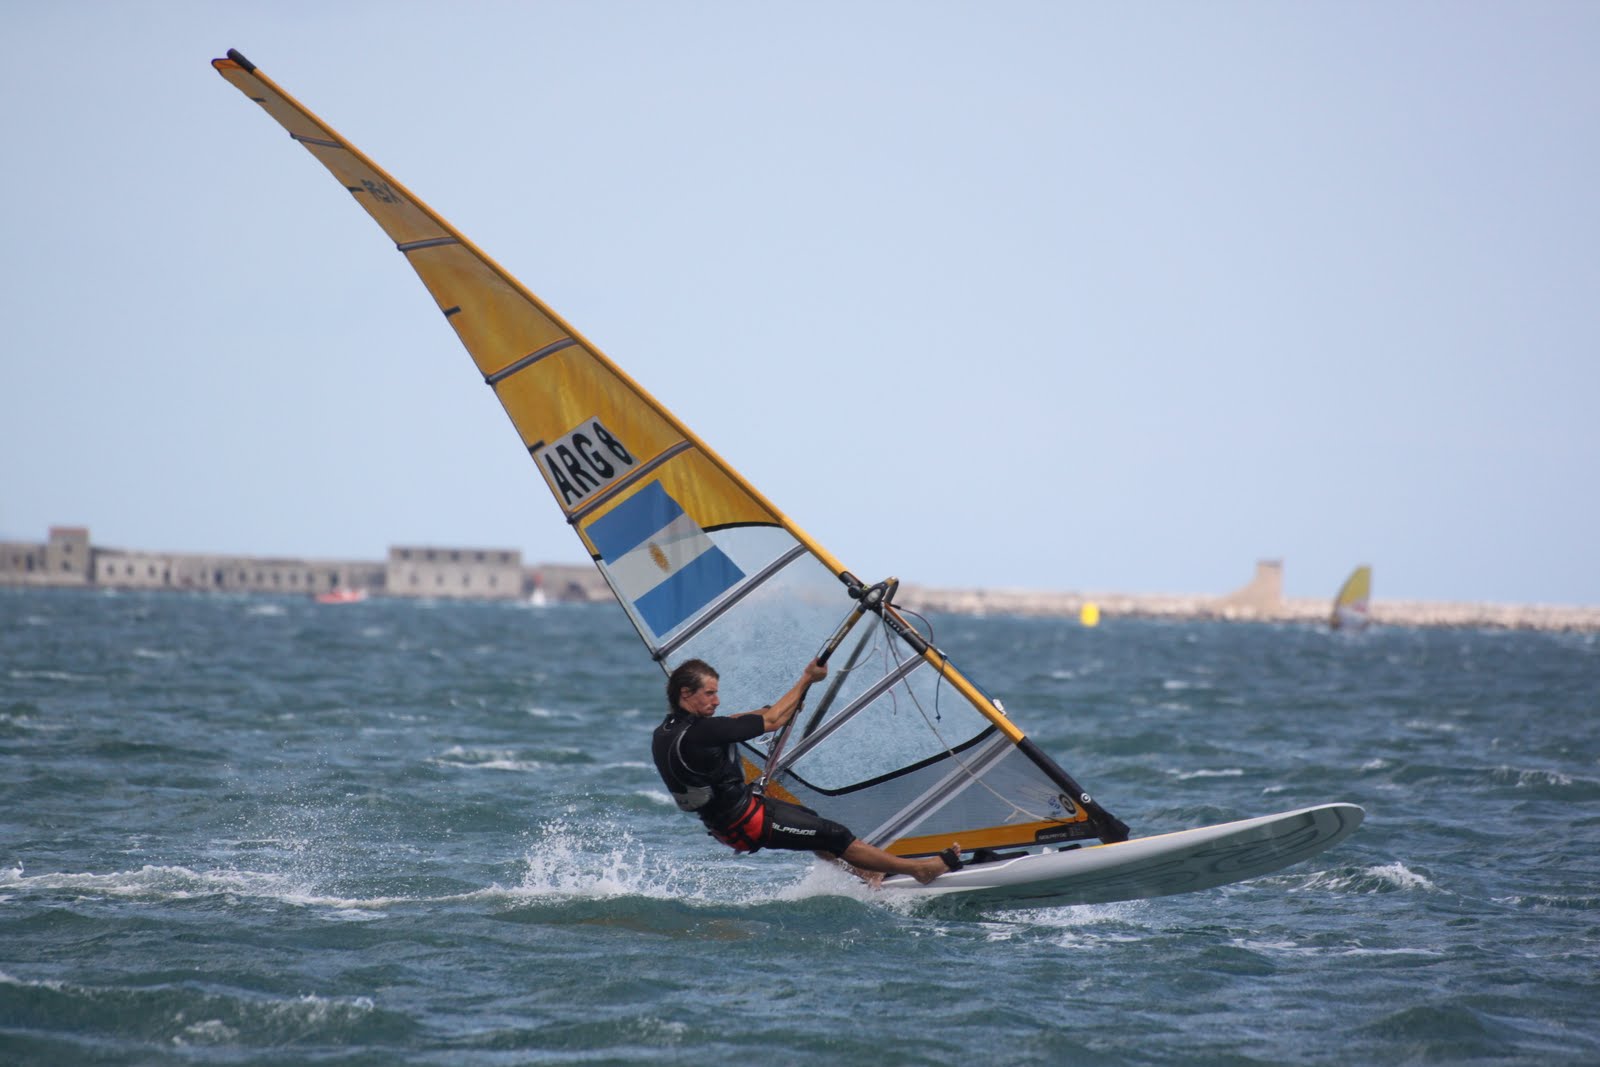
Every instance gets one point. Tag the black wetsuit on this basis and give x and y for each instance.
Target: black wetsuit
(697, 760)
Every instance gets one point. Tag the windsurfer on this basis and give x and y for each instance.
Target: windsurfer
(694, 751)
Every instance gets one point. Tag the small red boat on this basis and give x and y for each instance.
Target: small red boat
(342, 596)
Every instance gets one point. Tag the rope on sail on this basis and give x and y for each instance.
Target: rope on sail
(966, 769)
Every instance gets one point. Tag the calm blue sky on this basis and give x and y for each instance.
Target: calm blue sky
(1062, 296)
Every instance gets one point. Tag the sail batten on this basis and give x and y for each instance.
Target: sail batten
(429, 242)
(830, 725)
(962, 775)
(528, 360)
(705, 566)
(644, 471)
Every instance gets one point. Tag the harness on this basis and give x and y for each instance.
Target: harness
(744, 834)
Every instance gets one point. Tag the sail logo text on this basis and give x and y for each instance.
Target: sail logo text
(381, 191)
(584, 461)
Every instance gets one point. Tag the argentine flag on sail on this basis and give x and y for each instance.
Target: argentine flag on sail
(660, 559)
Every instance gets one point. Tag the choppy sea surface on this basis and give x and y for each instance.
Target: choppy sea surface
(260, 830)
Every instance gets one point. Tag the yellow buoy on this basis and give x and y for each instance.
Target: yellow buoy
(1089, 614)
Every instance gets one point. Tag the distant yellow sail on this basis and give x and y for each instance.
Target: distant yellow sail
(705, 566)
(1351, 607)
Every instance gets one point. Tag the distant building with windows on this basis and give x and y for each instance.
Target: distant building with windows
(118, 569)
(65, 559)
(462, 573)
(68, 558)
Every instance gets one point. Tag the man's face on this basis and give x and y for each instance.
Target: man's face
(701, 702)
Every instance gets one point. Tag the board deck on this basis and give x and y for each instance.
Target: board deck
(1181, 862)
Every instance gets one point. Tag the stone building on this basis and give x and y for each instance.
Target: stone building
(1261, 595)
(458, 573)
(67, 553)
(427, 571)
(65, 559)
(117, 569)
(69, 559)
(22, 563)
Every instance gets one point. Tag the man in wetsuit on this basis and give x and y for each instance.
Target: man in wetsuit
(695, 753)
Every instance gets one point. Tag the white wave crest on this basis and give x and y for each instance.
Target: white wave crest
(485, 759)
(1524, 779)
(1225, 772)
(177, 883)
(23, 675)
(163, 882)
(1388, 876)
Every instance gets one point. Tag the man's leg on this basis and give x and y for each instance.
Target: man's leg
(871, 858)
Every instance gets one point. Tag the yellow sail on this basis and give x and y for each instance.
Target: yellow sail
(582, 416)
(1351, 606)
(706, 566)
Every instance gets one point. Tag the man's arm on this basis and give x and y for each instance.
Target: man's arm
(782, 710)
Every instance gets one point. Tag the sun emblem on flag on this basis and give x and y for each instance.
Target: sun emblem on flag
(659, 557)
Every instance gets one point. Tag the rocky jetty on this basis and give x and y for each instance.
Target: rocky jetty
(1234, 609)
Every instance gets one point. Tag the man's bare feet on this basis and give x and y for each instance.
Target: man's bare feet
(934, 866)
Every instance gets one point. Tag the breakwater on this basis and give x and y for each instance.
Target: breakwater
(1228, 608)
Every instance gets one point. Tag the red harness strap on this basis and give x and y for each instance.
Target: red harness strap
(744, 833)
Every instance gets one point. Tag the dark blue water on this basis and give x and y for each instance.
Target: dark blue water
(266, 831)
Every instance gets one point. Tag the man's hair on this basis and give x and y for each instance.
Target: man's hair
(690, 675)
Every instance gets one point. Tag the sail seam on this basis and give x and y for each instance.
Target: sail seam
(615, 487)
(735, 595)
(320, 141)
(882, 686)
(430, 242)
(528, 360)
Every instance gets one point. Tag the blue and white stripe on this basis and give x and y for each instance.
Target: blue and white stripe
(659, 559)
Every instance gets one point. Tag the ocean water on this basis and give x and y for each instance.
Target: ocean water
(258, 830)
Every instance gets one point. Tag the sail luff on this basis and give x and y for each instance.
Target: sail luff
(236, 64)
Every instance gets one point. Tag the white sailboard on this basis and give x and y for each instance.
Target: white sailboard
(1142, 867)
(901, 745)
